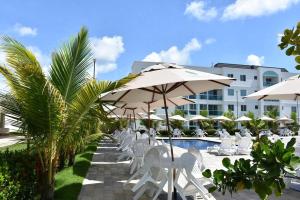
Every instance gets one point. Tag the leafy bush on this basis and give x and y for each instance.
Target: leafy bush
(264, 173)
(230, 126)
(17, 175)
(211, 132)
(188, 132)
(163, 133)
(176, 123)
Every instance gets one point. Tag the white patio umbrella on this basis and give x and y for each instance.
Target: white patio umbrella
(243, 119)
(153, 117)
(284, 119)
(198, 117)
(221, 118)
(148, 106)
(177, 117)
(164, 81)
(285, 90)
(266, 118)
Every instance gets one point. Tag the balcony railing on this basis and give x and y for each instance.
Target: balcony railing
(215, 112)
(212, 97)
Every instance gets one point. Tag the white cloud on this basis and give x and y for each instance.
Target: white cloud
(255, 60)
(197, 10)
(210, 40)
(106, 51)
(25, 30)
(254, 8)
(175, 55)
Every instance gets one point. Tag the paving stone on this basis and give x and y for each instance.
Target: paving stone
(105, 181)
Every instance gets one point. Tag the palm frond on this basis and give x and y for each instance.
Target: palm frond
(70, 64)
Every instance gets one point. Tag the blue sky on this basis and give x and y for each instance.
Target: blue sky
(181, 31)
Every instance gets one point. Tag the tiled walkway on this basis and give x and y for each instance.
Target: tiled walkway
(105, 179)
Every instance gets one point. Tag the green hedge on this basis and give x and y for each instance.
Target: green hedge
(17, 175)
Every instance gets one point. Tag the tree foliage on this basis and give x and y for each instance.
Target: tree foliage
(264, 173)
(290, 42)
(176, 123)
(255, 125)
(230, 126)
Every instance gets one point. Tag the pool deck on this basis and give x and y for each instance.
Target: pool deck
(105, 178)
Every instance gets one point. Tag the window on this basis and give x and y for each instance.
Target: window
(230, 92)
(231, 107)
(230, 75)
(256, 107)
(243, 108)
(243, 93)
(243, 77)
(193, 112)
(255, 77)
(294, 109)
(270, 78)
(203, 95)
(192, 106)
(203, 106)
(192, 97)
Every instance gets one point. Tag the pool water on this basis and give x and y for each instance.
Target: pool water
(198, 144)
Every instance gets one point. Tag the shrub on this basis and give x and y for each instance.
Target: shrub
(17, 175)
(211, 132)
(163, 133)
(188, 132)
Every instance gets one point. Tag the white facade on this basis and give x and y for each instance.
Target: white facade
(249, 79)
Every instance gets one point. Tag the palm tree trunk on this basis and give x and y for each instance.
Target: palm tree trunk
(71, 158)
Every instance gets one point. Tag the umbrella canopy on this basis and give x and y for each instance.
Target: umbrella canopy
(177, 117)
(243, 119)
(266, 118)
(284, 119)
(153, 117)
(171, 102)
(167, 80)
(221, 118)
(285, 90)
(198, 117)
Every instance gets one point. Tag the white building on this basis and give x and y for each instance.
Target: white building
(249, 79)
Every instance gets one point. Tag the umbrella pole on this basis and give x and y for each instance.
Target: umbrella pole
(170, 139)
(297, 110)
(149, 122)
(134, 123)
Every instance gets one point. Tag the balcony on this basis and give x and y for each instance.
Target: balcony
(270, 78)
(215, 112)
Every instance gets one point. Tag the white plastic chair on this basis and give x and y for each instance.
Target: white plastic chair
(152, 132)
(153, 171)
(200, 133)
(139, 149)
(244, 146)
(186, 183)
(176, 132)
(227, 147)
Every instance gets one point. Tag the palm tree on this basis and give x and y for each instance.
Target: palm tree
(53, 110)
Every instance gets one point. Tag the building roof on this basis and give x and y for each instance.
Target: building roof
(139, 65)
(229, 65)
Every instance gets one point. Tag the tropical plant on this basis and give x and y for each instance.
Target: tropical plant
(264, 173)
(290, 43)
(176, 123)
(53, 111)
(294, 125)
(255, 125)
(153, 123)
(230, 126)
(273, 125)
(205, 124)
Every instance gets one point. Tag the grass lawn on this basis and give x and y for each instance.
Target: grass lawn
(68, 182)
(17, 146)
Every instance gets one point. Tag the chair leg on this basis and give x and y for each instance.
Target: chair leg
(160, 188)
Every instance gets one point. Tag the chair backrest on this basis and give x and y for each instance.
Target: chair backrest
(245, 143)
(226, 143)
(140, 147)
(144, 136)
(199, 157)
(152, 160)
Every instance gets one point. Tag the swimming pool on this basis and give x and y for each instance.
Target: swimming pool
(198, 144)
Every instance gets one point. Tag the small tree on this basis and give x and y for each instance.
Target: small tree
(255, 125)
(272, 125)
(153, 123)
(176, 123)
(294, 125)
(264, 173)
(230, 126)
(290, 42)
(205, 124)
